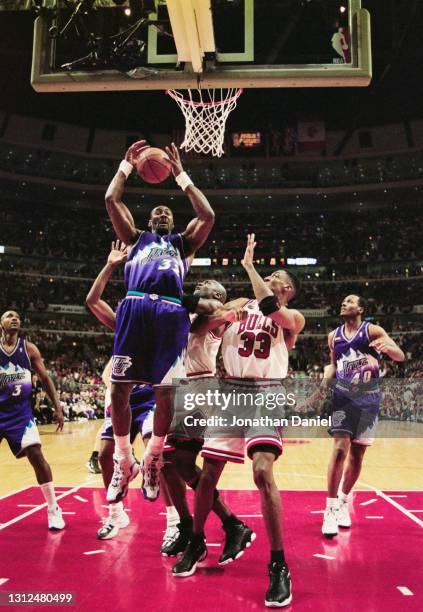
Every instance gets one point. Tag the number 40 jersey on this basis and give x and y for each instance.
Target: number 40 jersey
(15, 377)
(255, 348)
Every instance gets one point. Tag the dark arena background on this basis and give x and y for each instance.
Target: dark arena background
(323, 162)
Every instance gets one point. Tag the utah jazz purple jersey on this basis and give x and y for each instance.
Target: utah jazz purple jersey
(357, 369)
(17, 424)
(156, 264)
(15, 379)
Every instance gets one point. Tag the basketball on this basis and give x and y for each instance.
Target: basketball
(153, 165)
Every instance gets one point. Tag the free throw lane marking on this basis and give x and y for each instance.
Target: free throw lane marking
(374, 517)
(79, 498)
(394, 503)
(405, 590)
(324, 556)
(369, 501)
(22, 516)
(94, 552)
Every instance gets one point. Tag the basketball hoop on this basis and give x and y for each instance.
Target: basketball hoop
(205, 112)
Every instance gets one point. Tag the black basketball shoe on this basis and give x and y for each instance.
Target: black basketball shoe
(195, 551)
(179, 543)
(238, 538)
(279, 593)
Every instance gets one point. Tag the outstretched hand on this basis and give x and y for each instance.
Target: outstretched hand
(118, 253)
(59, 418)
(248, 259)
(175, 159)
(135, 151)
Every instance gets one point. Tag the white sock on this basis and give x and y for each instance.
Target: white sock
(172, 516)
(123, 448)
(343, 497)
(331, 502)
(155, 444)
(49, 495)
(115, 509)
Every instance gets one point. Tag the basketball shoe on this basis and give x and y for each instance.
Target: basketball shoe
(93, 466)
(180, 541)
(238, 537)
(195, 552)
(125, 470)
(343, 515)
(330, 523)
(117, 519)
(279, 593)
(150, 469)
(55, 519)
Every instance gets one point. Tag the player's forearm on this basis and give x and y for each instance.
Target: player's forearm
(395, 353)
(51, 392)
(121, 218)
(115, 190)
(329, 373)
(260, 288)
(99, 285)
(201, 205)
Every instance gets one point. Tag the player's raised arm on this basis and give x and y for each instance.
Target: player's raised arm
(384, 343)
(123, 221)
(101, 309)
(198, 229)
(224, 313)
(288, 318)
(38, 364)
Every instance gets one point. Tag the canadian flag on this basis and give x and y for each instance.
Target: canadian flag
(311, 137)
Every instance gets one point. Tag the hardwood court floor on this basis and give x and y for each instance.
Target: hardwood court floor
(392, 463)
(375, 566)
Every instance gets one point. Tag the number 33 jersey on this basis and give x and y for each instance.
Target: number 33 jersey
(15, 376)
(255, 347)
(156, 264)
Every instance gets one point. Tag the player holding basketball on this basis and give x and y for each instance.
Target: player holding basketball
(141, 401)
(259, 353)
(151, 324)
(17, 358)
(181, 453)
(355, 348)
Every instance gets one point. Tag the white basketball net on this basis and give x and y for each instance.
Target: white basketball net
(205, 112)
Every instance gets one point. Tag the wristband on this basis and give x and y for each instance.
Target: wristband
(125, 167)
(183, 180)
(269, 305)
(190, 302)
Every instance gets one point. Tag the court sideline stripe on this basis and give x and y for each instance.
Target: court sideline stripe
(44, 505)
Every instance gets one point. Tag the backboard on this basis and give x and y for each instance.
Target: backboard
(181, 44)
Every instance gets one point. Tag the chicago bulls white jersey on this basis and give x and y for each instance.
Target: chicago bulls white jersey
(200, 358)
(255, 348)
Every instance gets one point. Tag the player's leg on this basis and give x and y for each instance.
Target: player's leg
(117, 518)
(341, 446)
(45, 480)
(180, 468)
(203, 501)
(170, 328)
(145, 426)
(92, 463)
(125, 466)
(351, 474)
(264, 456)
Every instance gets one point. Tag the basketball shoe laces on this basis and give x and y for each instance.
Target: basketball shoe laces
(117, 475)
(153, 472)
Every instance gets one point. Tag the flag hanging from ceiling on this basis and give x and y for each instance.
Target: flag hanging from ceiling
(311, 137)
